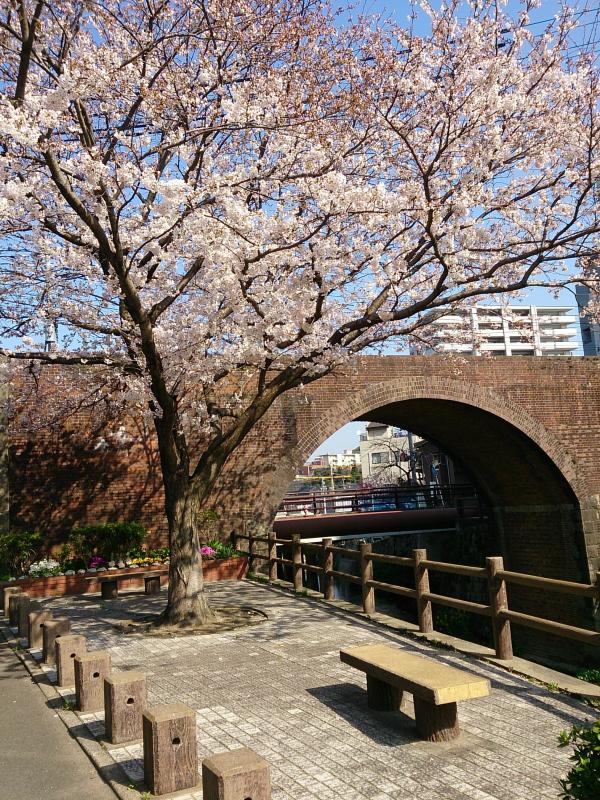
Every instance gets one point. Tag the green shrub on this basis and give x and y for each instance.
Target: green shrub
(223, 549)
(589, 675)
(17, 551)
(67, 560)
(110, 539)
(583, 779)
(159, 553)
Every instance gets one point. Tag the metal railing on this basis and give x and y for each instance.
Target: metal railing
(383, 498)
(497, 578)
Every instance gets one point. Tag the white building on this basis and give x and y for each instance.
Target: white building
(347, 458)
(384, 454)
(507, 331)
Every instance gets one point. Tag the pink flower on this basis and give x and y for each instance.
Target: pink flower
(207, 552)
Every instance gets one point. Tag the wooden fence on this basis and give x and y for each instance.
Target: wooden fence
(493, 573)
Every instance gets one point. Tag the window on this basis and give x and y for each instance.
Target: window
(380, 458)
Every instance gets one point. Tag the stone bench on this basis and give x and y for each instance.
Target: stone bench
(109, 583)
(435, 687)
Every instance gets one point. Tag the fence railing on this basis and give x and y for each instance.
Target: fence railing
(494, 574)
(463, 497)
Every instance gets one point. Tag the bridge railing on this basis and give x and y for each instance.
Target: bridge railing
(383, 498)
(494, 574)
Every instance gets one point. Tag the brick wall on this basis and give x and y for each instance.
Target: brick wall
(527, 429)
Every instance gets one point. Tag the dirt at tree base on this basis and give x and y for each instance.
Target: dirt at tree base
(227, 618)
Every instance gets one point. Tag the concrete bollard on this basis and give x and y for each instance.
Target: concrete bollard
(13, 608)
(24, 605)
(67, 648)
(53, 628)
(36, 621)
(125, 699)
(90, 670)
(7, 593)
(170, 757)
(237, 775)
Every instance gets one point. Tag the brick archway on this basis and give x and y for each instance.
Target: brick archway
(397, 391)
(536, 491)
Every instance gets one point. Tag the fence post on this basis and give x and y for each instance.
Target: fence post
(498, 603)
(424, 612)
(366, 574)
(328, 587)
(297, 559)
(272, 557)
(251, 552)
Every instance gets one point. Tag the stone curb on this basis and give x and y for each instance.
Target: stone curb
(98, 755)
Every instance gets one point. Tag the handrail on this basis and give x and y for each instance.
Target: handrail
(392, 588)
(455, 569)
(405, 561)
(345, 576)
(313, 568)
(380, 498)
(459, 603)
(497, 578)
(549, 626)
(344, 551)
(551, 584)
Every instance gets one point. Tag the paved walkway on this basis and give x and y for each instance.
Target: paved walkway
(280, 688)
(38, 758)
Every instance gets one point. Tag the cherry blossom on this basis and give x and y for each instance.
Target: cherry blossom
(212, 202)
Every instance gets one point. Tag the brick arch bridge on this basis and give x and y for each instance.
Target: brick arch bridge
(527, 430)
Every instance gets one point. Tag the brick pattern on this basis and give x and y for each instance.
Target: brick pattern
(528, 428)
(280, 689)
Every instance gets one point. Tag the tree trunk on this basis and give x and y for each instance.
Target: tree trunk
(187, 603)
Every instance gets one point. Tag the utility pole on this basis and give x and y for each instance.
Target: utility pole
(412, 458)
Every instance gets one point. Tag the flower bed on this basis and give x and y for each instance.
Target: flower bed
(89, 582)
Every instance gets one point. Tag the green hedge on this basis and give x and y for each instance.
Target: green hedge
(108, 539)
(17, 551)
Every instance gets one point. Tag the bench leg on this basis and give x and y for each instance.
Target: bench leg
(383, 696)
(436, 723)
(152, 585)
(109, 589)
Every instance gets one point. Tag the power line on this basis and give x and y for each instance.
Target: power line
(555, 19)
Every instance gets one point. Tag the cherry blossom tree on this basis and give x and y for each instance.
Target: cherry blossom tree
(208, 203)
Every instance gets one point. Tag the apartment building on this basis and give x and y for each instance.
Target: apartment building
(507, 331)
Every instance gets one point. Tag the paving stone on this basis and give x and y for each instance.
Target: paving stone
(280, 689)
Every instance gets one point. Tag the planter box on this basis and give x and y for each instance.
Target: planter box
(217, 570)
